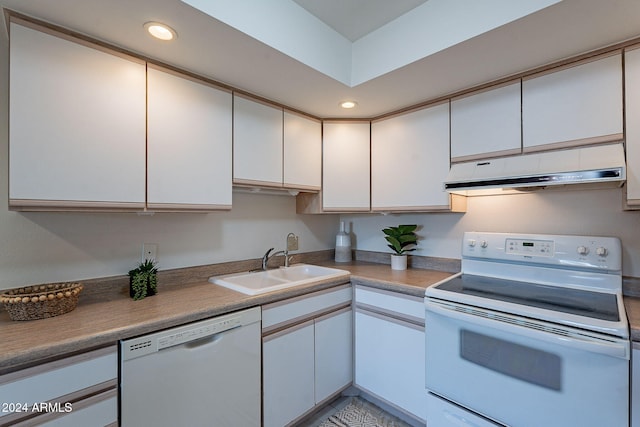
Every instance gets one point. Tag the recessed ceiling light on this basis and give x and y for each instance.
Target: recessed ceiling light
(160, 31)
(348, 104)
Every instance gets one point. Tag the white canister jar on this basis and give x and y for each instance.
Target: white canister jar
(343, 245)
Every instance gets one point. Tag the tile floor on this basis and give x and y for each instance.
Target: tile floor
(316, 419)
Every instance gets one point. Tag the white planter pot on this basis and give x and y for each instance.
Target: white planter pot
(398, 262)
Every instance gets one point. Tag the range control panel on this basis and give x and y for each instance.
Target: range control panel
(529, 247)
(567, 251)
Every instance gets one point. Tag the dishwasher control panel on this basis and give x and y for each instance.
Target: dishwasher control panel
(152, 343)
(197, 332)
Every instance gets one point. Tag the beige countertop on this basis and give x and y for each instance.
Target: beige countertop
(101, 320)
(632, 306)
(412, 281)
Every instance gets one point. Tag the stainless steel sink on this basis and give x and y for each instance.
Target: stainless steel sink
(258, 282)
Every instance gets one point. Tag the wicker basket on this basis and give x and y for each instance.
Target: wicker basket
(41, 301)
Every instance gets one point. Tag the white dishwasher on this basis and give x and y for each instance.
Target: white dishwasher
(203, 374)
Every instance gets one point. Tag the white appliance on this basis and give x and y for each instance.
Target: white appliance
(532, 332)
(203, 374)
(596, 166)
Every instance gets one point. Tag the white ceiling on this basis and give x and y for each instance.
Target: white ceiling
(356, 18)
(212, 48)
(419, 33)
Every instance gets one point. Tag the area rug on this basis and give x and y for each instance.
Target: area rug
(358, 413)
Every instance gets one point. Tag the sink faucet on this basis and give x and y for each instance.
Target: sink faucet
(268, 255)
(292, 245)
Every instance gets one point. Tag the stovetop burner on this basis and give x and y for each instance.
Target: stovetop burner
(578, 302)
(570, 280)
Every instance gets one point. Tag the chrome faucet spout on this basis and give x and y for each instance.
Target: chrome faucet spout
(267, 256)
(265, 259)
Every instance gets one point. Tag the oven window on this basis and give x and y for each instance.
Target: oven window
(515, 360)
(597, 305)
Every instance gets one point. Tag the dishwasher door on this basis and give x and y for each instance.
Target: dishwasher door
(203, 374)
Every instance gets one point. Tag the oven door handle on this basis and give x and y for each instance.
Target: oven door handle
(606, 346)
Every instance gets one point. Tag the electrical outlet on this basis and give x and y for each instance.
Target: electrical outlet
(149, 251)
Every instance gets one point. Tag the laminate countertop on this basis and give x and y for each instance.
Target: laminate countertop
(103, 319)
(632, 307)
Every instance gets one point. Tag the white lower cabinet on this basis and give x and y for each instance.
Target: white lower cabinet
(390, 349)
(79, 391)
(333, 353)
(288, 378)
(306, 359)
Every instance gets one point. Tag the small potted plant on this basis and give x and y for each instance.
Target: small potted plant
(143, 280)
(401, 239)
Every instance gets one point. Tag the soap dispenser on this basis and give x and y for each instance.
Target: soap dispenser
(343, 245)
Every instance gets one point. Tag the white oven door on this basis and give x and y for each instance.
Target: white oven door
(521, 372)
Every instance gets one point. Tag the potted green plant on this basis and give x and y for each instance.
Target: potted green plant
(401, 239)
(143, 280)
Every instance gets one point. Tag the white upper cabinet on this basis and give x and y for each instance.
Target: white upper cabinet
(410, 160)
(346, 166)
(77, 125)
(632, 112)
(578, 105)
(302, 152)
(257, 143)
(487, 123)
(189, 140)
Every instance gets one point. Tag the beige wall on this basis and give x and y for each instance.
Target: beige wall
(587, 212)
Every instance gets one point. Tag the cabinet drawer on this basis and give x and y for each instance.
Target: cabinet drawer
(98, 410)
(391, 303)
(294, 310)
(60, 378)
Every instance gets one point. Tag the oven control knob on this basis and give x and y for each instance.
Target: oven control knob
(583, 250)
(603, 252)
(484, 244)
(471, 243)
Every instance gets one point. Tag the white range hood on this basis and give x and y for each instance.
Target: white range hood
(593, 165)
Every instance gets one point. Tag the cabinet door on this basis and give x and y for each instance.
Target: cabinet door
(390, 361)
(189, 143)
(346, 166)
(288, 374)
(577, 105)
(77, 125)
(410, 160)
(487, 124)
(257, 143)
(632, 112)
(334, 353)
(302, 152)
